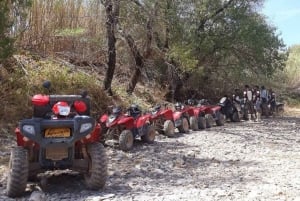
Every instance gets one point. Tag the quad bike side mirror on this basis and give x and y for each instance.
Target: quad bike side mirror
(84, 94)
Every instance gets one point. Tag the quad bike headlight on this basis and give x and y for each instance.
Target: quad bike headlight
(84, 127)
(29, 129)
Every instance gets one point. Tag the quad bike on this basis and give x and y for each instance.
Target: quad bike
(199, 113)
(162, 119)
(230, 109)
(61, 135)
(265, 109)
(125, 127)
(213, 113)
(184, 118)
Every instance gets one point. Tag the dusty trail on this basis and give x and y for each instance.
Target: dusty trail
(238, 161)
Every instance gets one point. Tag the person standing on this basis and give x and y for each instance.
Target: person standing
(249, 95)
(256, 103)
(264, 101)
(272, 100)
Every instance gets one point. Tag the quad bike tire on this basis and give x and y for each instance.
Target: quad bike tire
(221, 120)
(209, 120)
(235, 117)
(126, 140)
(265, 110)
(149, 137)
(246, 115)
(96, 176)
(201, 123)
(193, 123)
(184, 127)
(169, 128)
(18, 172)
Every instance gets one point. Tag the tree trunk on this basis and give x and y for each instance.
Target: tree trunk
(112, 14)
(139, 62)
(138, 57)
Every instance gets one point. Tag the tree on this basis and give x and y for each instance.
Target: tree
(112, 14)
(6, 42)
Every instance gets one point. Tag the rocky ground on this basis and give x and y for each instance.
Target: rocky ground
(238, 161)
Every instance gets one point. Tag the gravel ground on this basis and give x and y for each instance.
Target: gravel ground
(238, 161)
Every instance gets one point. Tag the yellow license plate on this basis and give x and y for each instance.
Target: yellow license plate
(57, 132)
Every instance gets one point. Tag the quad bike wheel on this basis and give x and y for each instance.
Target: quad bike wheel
(209, 120)
(221, 120)
(149, 137)
(193, 123)
(96, 176)
(18, 172)
(246, 115)
(169, 128)
(201, 122)
(235, 117)
(184, 127)
(126, 140)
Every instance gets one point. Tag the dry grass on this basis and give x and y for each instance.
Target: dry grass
(291, 111)
(26, 76)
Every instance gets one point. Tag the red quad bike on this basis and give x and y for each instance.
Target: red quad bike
(199, 113)
(162, 119)
(184, 118)
(60, 135)
(213, 113)
(126, 127)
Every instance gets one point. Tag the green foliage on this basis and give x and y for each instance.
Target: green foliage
(292, 70)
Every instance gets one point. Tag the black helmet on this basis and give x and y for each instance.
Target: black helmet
(177, 106)
(134, 110)
(191, 102)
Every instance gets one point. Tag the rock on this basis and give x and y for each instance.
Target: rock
(37, 196)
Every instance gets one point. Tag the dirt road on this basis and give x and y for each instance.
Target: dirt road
(238, 161)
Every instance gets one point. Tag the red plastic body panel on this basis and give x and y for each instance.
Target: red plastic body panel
(40, 100)
(177, 115)
(142, 120)
(168, 114)
(190, 111)
(103, 118)
(95, 135)
(21, 142)
(128, 121)
(198, 110)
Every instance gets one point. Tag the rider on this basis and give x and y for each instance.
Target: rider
(272, 100)
(264, 101)
(134, 110)
(249, 95)
(236, 96)
(257, 102)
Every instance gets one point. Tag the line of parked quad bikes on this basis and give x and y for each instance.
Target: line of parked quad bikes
(62, 135)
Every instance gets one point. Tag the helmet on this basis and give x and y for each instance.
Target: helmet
(116, 110)
(190, 102)
(134, 110)
(177, 106)
(157, 107)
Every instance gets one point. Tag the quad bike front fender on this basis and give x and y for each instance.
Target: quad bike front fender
(168, 114)
(127, 121)
(142, 121)
(177, 115)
